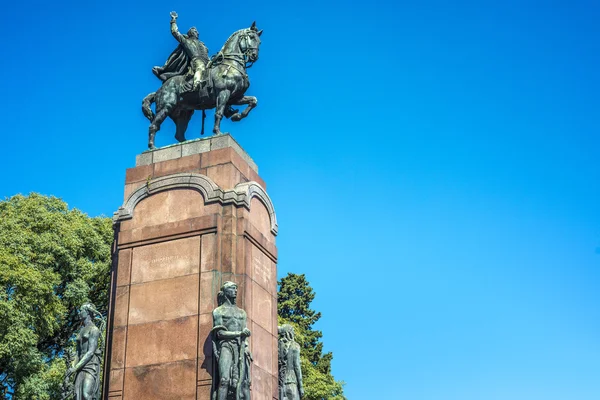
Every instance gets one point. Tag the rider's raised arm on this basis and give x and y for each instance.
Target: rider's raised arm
(175, 31)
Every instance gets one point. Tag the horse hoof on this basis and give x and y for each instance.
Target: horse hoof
(236, 117)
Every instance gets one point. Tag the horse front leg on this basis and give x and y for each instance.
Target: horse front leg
(222, 100)
(250, 100)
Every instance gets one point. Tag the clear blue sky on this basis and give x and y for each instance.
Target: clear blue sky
(434, 168)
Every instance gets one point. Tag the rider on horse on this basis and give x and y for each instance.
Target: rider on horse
(191, 54)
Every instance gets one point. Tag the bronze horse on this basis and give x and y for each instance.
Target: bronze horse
(227, 84)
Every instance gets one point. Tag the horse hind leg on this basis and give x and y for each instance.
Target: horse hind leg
(222, 99)
(161, 115)
(166, 100)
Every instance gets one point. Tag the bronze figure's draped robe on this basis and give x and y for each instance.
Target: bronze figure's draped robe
(290, 373)
(90, 372)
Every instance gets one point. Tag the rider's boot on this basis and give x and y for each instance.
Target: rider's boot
(199, 80)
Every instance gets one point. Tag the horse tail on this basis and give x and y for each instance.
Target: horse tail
(146, 109)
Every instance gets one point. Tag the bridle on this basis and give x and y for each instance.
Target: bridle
(242, 57)
(245, 43)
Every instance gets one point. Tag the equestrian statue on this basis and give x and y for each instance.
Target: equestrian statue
(193, 82)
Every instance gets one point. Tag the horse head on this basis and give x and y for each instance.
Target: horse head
(250, 42)
(245, 42)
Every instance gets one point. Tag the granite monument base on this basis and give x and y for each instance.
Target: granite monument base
(195, 215)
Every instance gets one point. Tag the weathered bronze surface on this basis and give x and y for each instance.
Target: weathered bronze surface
(191, 82)
(290, 374)
(86, 365)
(231, 372)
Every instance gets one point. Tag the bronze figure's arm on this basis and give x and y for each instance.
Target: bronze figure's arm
(224, 335)
(174, 30)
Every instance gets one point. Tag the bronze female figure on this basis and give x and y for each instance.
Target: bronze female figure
(86, 366)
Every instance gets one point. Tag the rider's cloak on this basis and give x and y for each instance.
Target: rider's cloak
(177, 64)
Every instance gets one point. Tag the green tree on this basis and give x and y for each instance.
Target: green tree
(52, 260)
(294, 298)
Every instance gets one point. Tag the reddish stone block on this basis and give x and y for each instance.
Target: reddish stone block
(116, 380)
(262, 383)
(241, 165)
(262, 307)
(262, 341)
(274, 355)
(209, 252)
(209, 287)
(175, 380)
(167, 206)
(164, 299)
(260, 219)
(204, 389)
(138, 174)
(275, 385)
(204, 339)
(227, 253)
(262, 269)
(178, 165)
(216, 157)
(229, 210)
(224, 175)
(121, 306)
(162, 342)
(207, 222)
(171, 230)
(166, 260)
(259, 238)
(119, 338)
(124, 267)
(229, 220)
(240, 255)
(247, 256)
(275, 323)
(248, 293)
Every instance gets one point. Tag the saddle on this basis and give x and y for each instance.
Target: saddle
(204, 90)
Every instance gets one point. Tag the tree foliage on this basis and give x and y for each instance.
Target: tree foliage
(52, 260)
(294, 298)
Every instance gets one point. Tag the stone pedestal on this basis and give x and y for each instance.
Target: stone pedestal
(195, 215)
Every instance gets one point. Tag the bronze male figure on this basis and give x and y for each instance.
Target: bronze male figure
(231, 375)
(191, 54)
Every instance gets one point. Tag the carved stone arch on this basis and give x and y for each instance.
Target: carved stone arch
(241, 195)
(209, 190)
(253, 189)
